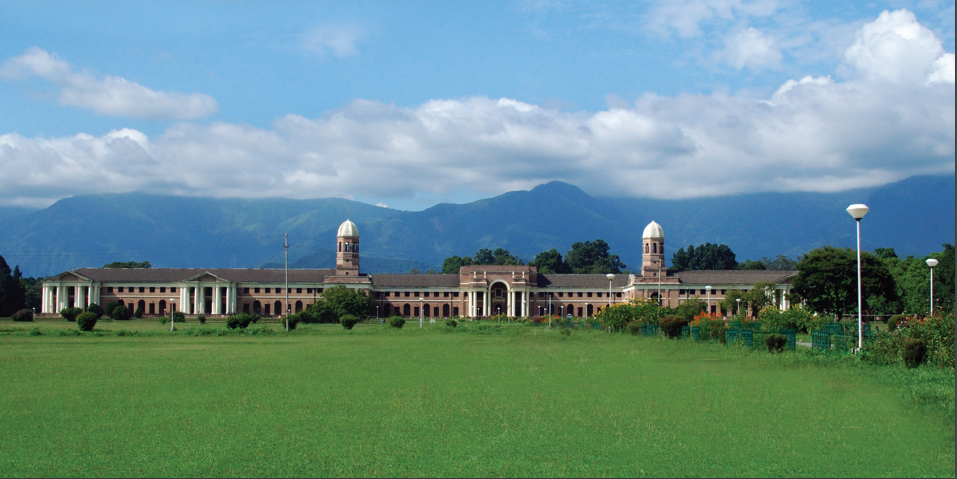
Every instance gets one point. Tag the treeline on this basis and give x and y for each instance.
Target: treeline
(719, 256)
(589, 257)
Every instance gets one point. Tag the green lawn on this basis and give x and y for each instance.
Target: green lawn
(516, 401)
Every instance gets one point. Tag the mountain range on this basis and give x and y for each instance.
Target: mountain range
(914, 216)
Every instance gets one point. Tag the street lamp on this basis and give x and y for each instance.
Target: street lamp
(708, 288)
(610, 278)
(739, 306)
(421, 318)
(857, 212)
(931, 262)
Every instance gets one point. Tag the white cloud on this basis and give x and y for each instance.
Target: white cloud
(110, 95)
(894, 48)
(685, 17)
(339, 41)
(813, 134)
(750, 48)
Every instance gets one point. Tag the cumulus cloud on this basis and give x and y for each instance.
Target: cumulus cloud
(750, 48)
(339, 41)
(812, 134)
(894, 48)
(110, 95)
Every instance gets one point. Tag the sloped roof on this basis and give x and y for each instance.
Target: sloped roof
(416, 280)
(170, 275)
(580, 281)
(733, 277)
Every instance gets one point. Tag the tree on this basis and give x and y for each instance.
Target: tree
(827, 280)
(499, 257)
(341, 301)
(12, 293)
(453, 264)
(593, 257)
(751, 265)
(730, 301)
(779, 263)
(550, 262)
(128, 264)
(705, 257)
(885, 253)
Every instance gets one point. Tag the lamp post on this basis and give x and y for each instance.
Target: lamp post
(857, 212)
(708, 289)
(421, 318)
(739, 306)
(171, 309)
(610, 278)
(285, 246)
(931, 262)
(549, 310)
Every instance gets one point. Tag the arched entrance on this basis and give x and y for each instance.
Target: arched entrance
(498, 298)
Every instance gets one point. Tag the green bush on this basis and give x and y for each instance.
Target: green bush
(566, 331)
(348, 321)
(397, 322)
(121, 313)
(671, 326)
(293, 321)
(915, 352)
(179, 317)
(108, 310)
(86, 321)
(775, 342)
(23, 316)
(95, 309)
(201, 318)
(241, 320)
(634, 328)
(894, 322)
(139, 313)
(70, 314)
(451, 323)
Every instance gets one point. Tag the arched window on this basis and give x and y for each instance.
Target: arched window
(298, 306)
(340, 247)
(257, 307)
(348, 247)
(406, 310)
(654, 247)
(355, 248)
(427, 311)
(278, 309)
(646, 247)
(162, 306)
(445, 311)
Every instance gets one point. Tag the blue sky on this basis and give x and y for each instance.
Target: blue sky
(410, 104)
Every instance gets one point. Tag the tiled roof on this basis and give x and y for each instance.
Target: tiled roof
(580, 281)
(171, 275)
(733, 277)
(416, 280)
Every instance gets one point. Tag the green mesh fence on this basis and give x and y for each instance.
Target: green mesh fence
(695, 333)
(820, 340)
(731, 336)
(747, 336)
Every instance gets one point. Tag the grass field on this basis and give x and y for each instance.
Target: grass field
(514, 401)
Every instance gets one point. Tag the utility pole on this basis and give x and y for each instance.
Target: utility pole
(285, 246)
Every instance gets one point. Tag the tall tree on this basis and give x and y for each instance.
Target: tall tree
(550, 262)
(12, 294)
(453, 264)
(827, 280)
(593, 257)
(705, 257)
(498, 256)
(128, 264)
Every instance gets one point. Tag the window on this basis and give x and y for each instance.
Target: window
(119, 289)
(256, 290)
(162, 289)
(268, 290)
(589, 295)
(445, 294)
(618, 295)
(561, 295)
(298, 290)
(654, 247)
(109, 289)
(142, 289)
(704, 291)
(406, 294)
(579, 294)
(455, 311)
(308, 290)
(245, 290)
(599, 295)
(152, 289)
(172, 289)
(426, 294)
(724, 291)
(681, 291)
(541, 295)
(456, 295)
(319, 290)
(498, 293)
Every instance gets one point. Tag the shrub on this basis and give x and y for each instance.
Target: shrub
(895, 321)
(201, 318)
(232, 322)
(915, 352)
(241, 320)
(70, 314)
(95, 309)
(23, 316)
(566, 331)
(671, 326)
(397, 322)
(179, 317)
(121, 313)
(86, 321)
(775, 342)
(293, 321)
(348, 321)
(108, 310)
(139, 313)
(451, 323)
(634, 328)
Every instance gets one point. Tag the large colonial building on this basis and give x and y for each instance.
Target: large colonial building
(476, 291)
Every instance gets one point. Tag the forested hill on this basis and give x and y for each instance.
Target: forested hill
(913, 216)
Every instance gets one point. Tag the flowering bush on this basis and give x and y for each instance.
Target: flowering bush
(710, 326)
(914, 341)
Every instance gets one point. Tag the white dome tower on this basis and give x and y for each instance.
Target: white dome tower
(347, 249)
(653, 251)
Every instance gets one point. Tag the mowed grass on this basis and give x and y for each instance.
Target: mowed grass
(381, 402)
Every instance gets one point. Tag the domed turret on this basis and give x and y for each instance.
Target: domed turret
(653, 231)
(347, 249)
(348, 229)
(653, 251)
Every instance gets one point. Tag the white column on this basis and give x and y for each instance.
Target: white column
(79, 297)
(196, 293)
(44, 303)
(486, 301)
(217, 299)
(96, 294)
